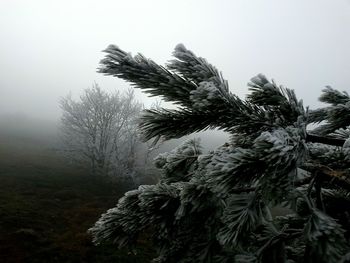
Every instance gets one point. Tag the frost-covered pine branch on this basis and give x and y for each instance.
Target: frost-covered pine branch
(219, 206)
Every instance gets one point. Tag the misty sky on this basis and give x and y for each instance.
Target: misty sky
(49, 48)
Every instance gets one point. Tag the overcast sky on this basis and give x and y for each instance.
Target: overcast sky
(48, 48)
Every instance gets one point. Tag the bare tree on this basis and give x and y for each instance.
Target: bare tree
(101, 128)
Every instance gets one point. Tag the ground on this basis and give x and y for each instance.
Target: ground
(47, 204)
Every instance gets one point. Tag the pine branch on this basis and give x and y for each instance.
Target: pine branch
(213, 207)
(174, 123)
(334, 157)
(325, 238)
(318, 115)
(195, 68)
(319, 199)
(243, 214)
(336, 116)
(145, 74)
(334, 97)
(279, 101)
(209, 100)
(297, 183)
(234, 116)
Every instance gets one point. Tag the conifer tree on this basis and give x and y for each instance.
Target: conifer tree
(217, 207)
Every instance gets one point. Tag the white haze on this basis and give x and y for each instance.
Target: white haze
(49, 48)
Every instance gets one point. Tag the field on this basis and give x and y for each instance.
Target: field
(47, 204)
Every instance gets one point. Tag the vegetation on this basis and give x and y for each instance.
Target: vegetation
(101, 128)
(217, 207)
(47, 204)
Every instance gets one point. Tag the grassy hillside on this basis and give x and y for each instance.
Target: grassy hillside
(47, 204)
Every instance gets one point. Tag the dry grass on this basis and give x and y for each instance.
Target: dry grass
(47, 205)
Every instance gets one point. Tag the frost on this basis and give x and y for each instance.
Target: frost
(223, 198)
(346, 149)
(204, 95)
(342, 133)
(172, 162)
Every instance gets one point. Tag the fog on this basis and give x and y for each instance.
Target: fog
(49, 48)
(52, 194)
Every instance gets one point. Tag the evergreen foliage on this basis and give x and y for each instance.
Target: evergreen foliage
(218, 207)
